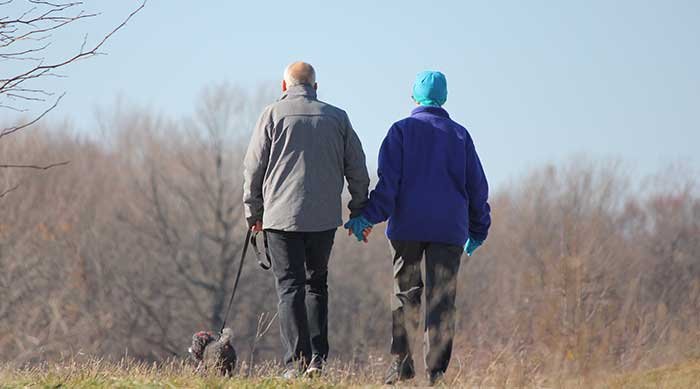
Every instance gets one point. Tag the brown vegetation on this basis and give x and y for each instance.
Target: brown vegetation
(131, 249)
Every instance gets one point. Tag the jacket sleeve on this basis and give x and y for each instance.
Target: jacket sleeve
(478, 192)
(355, 171)
(255, 166)
(382, 200)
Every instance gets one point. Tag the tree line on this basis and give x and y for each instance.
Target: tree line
(132, 248)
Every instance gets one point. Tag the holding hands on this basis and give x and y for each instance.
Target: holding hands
(360, 227)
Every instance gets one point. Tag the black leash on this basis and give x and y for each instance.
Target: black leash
(238, 277)
(250, 239)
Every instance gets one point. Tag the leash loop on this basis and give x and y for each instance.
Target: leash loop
(265, 263)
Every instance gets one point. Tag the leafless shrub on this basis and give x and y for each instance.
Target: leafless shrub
(133, 247)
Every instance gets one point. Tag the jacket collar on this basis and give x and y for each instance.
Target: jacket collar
(300, 90)
(439, 111)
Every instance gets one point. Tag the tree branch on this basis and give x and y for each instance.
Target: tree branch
(8, 191)
(40, 26)
(13, 129)
(36, 167)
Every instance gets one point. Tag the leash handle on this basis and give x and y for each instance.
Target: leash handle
(266, 264)
(238, 278)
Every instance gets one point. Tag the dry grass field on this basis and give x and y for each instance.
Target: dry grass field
(100, 374)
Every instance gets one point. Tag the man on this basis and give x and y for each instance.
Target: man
(298, 155)
(434, 193)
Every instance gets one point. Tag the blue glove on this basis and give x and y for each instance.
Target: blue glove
(357, 225)
(472, 245)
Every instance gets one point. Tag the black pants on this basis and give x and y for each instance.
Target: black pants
(441, 268)
(300, 265)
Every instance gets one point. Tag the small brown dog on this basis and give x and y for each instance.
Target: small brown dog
(210, 353)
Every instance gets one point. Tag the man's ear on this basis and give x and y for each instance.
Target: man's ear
(284, 85)
(316, 85)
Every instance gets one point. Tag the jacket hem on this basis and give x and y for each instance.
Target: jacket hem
(301, 228)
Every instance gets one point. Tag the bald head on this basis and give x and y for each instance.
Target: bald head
(299, 73)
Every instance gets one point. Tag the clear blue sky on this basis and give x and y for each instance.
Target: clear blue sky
(534, 81)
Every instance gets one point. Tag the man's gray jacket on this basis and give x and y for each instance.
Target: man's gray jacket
(299, 152)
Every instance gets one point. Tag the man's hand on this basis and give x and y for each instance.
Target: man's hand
(257, 227)
(360, 227)
(472, 245)
(365, 233)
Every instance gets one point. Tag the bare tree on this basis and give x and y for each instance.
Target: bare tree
(187, 213)
(133, 247)
(25, 37)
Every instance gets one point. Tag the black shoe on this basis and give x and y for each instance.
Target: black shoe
(436, 378)
(401, 369)
(315, 367)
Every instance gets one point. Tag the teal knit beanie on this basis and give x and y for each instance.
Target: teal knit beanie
(430, 88)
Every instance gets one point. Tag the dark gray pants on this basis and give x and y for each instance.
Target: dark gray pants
(441, 268)
(300, 265)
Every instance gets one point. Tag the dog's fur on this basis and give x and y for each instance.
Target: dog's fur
(209, 353)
